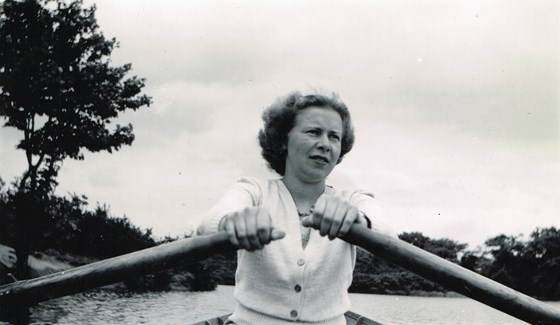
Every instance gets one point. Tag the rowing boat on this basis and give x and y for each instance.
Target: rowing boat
(351, 319)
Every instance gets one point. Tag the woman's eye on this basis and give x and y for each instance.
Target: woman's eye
(314, 132)
(335, 137)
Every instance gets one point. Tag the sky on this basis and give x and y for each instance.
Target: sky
(456, 106)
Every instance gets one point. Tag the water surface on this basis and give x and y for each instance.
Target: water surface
(106, 307)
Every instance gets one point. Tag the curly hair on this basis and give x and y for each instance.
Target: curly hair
(279, 118)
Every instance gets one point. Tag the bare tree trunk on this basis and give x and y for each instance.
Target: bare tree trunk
(24, 215)
(18, 311)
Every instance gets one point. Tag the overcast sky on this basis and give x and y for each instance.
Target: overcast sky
(456, 107)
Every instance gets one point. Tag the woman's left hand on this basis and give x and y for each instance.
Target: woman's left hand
(332, 216)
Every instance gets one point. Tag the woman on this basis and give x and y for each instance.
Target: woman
(287, 272)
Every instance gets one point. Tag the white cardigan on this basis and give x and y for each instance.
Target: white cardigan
(283, 282)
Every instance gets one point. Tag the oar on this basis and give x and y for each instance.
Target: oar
(112, 270)
(392, 249)
(454, 277)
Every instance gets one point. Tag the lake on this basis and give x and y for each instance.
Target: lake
(107, 307)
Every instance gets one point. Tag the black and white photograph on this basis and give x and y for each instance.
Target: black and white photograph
(277, 162)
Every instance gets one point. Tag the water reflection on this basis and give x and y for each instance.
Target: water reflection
(107, 307)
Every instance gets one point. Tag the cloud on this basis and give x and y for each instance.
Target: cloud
(456, 109)
(435, 180)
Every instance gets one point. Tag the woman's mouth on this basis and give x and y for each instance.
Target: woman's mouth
(320, 159)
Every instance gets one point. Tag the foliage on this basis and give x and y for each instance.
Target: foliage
(68, 227)
(158, 281)
(192, 275)
(222, 267)
(444, 247)
(532, 267)
(374, 275)
(57, 87)
(544, 251)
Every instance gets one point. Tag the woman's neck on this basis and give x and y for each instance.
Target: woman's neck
(304, 194)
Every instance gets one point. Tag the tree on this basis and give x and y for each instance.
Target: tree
(443, 247)
(510, 265)
(543, 252)
(58, 87)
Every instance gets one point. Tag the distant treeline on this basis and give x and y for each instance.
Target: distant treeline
(530, 266)
(67, 227)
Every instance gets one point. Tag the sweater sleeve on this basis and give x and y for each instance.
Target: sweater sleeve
(246, 192)
(366, 203)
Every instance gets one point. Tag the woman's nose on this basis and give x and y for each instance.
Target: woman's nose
(324, 143)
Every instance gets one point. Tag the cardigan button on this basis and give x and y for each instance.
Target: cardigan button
(300, 262)
(293, 313)
(297, 288)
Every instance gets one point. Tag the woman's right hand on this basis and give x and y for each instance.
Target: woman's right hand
(250, 228)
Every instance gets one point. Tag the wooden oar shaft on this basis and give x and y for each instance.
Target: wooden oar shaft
(454, 277)
(116, 269)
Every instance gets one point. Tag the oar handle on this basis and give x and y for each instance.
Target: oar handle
(453, 276)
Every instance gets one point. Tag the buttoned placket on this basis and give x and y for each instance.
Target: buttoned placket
(298, 288)
(299, 281)
(297, 285)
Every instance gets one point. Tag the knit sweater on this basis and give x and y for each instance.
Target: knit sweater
(283, 282)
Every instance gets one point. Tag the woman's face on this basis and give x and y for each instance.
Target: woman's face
(314, 144)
